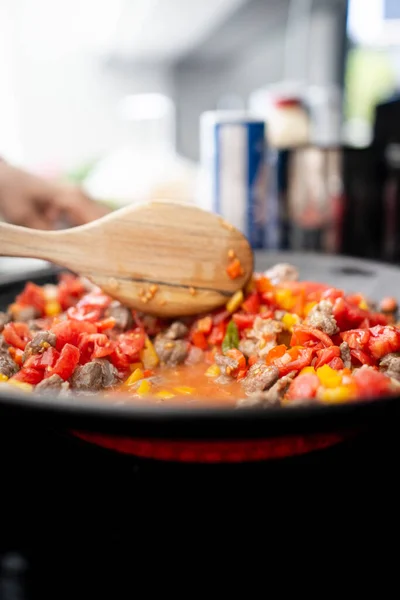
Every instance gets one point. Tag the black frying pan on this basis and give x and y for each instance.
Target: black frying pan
(216, 425)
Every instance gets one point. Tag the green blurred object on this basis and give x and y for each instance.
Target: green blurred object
(370, 78)
(79, 174)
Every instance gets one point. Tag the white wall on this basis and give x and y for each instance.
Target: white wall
(58, 97)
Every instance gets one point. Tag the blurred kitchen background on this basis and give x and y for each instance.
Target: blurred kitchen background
(110, 93)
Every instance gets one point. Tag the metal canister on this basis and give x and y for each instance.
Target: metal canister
(235, 173)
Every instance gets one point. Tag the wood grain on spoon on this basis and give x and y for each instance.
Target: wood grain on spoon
(164, 258)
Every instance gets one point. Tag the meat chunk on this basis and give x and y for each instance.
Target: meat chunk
(271, 397)
(40, 342)
(4, 347)
(52, 384)
(121, 314)
(26, 313)
(345, 355)
(8, 367)
(195, 356)
(4, 319)
(95, 375)
(260, 377)
(321, 318)
(282, 272)
(176, 331)
(171, 352)
(262, 337)
(248, 347)
(390, 365)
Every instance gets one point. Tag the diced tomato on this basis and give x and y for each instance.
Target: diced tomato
(95, 345)
(43, 360)
(268, 298)
(69, 332)
(325, 356)
(383, 340)
(235, 354)
(66, 363)
(104, 324)
(294, 360)
(221, 316)
(303, 335)
(362, 357)
(356, 338)
(275, 353)
(303, 386)
(32, 295)
(349, 316)
(90, 308)
(355, 299)
(263, 285)
(30, 375)
(252, 304)
(16, 354)
(243, 321)
(234, 269)
(371, 383)
(199, 340)
(70, 289)
(17, 335)
(204, 325)
(127, 349)
(336, 363)
(252, 360)
(217, 334)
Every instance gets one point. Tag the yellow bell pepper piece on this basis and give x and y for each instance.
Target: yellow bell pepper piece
(137, 375)
(337, 395)
(307, 370)
(290, 319)
(363, 305)
(308, 307)
(213, 371)
(184, 389)
(235, 301)
(164, 395)
(144, 388)
(26, 387)
(328, 377)
(134, 366)
(285, 299)
(52, 308)
(148, 355)
(3, 377)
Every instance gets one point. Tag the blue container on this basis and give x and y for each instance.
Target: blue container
(235, 174)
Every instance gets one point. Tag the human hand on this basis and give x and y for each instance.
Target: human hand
(31, 201)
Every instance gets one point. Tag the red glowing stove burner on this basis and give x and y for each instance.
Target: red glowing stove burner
(207, 451)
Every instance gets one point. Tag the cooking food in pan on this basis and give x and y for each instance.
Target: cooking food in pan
(279, 342)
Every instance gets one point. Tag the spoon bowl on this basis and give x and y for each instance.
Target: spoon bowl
(164, 258)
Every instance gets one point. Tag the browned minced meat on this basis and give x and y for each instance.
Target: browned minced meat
(271, 397)
(95, 375)
(40, 342)
(8, 366)
(4, 319)
(282, 272)
(248, 347)
(321, 318)
(121, 314)
(226, 363)
(171, 349)
(54, 383)
(260, 377)
(176, 331)
(195, 356)
(345, 354)
(390, 365)
(25, 314)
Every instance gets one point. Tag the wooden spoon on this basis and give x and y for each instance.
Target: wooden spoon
(163, 258)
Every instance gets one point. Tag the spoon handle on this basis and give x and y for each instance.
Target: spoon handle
(29, 243)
